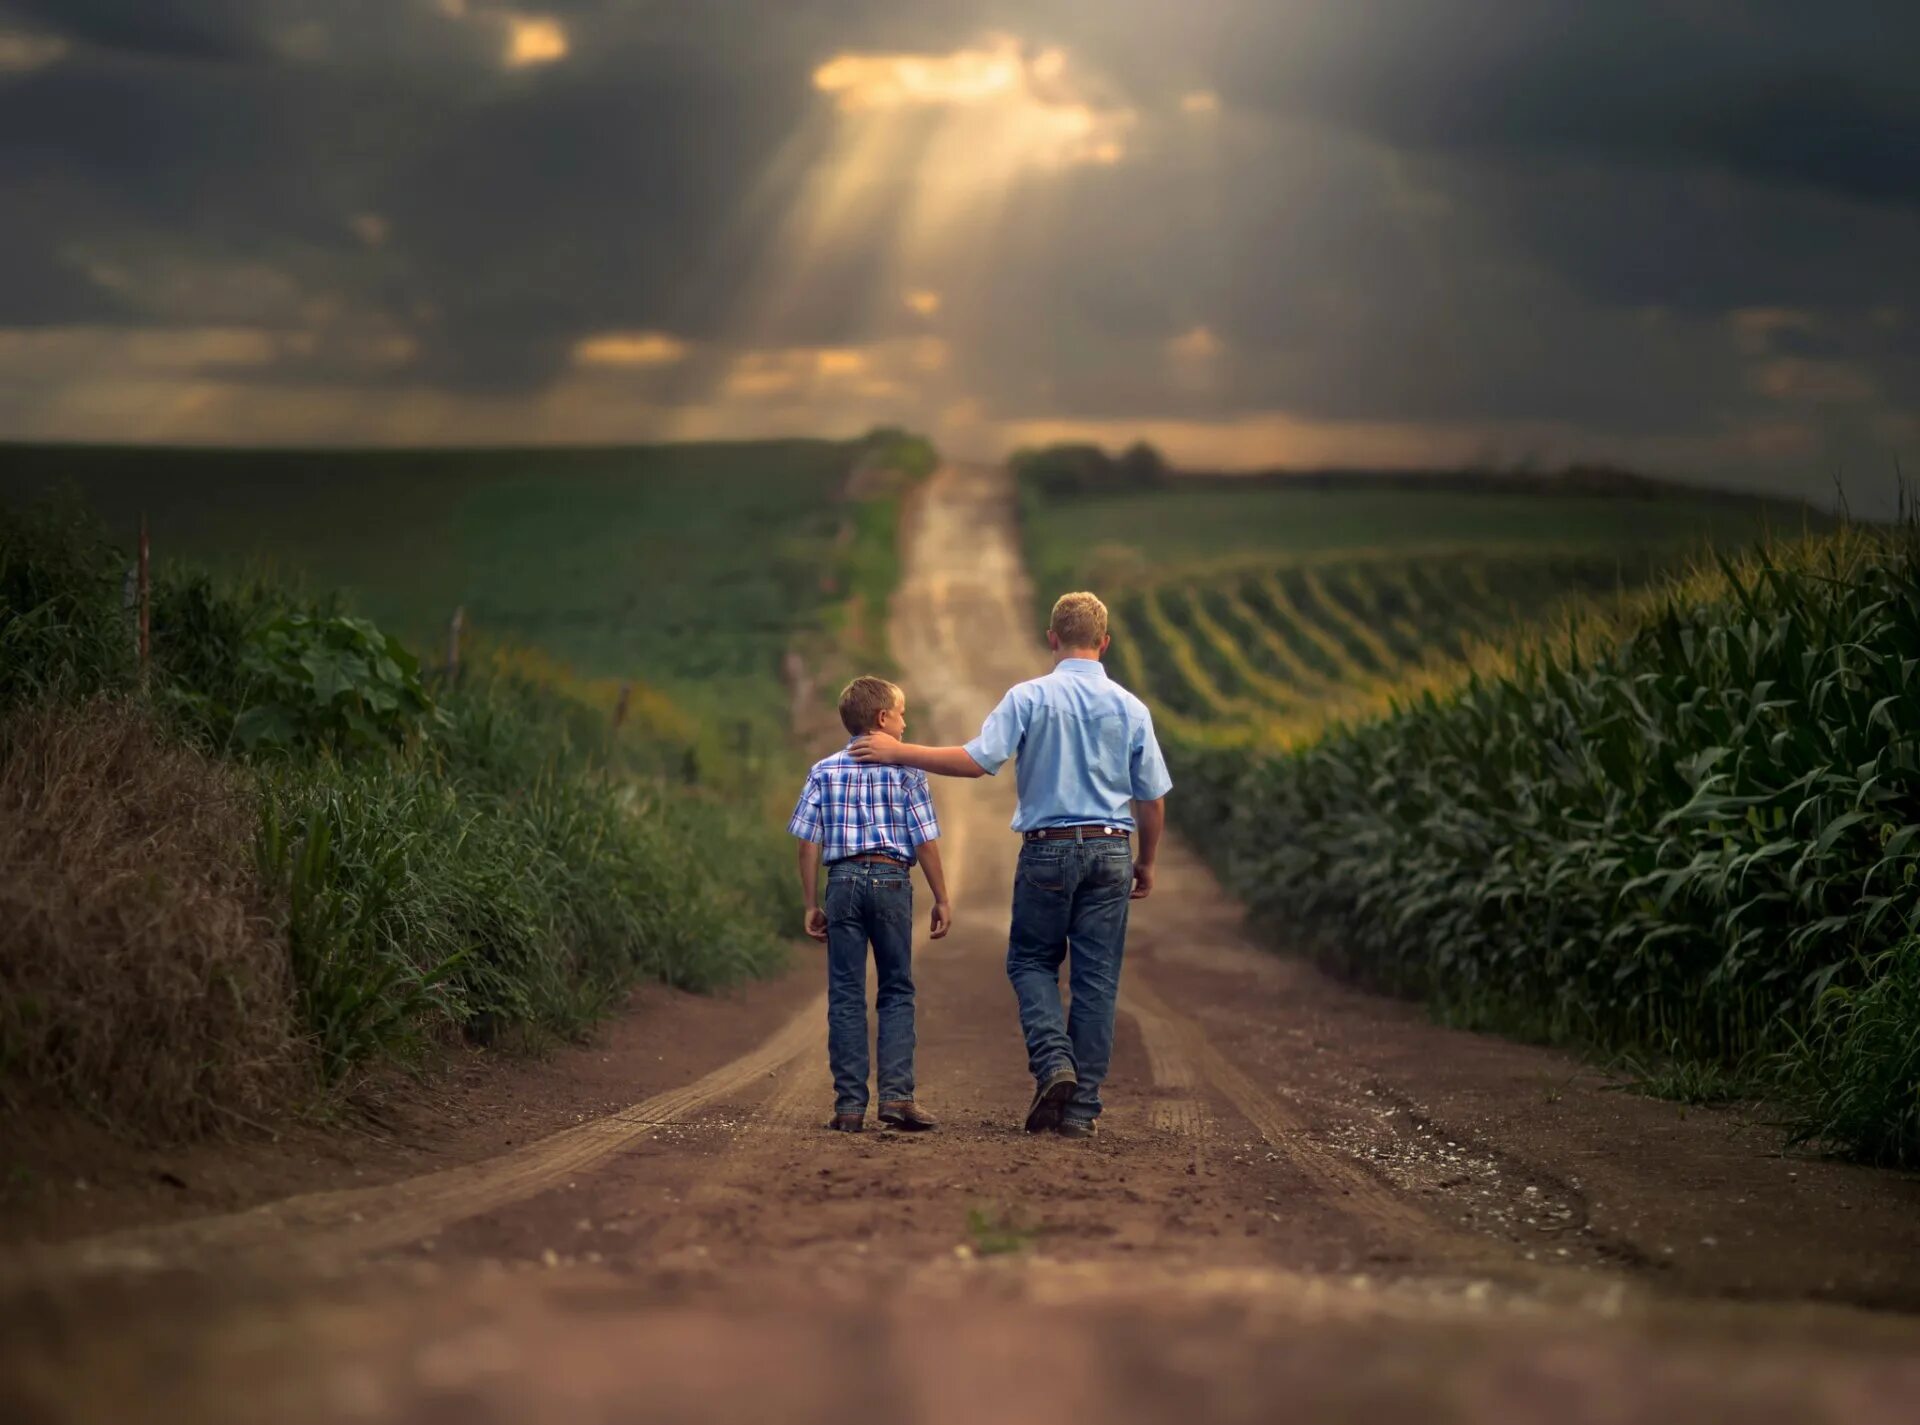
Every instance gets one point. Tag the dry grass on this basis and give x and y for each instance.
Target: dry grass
(143, 975)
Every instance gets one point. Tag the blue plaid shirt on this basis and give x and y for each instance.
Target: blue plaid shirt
(855, 809)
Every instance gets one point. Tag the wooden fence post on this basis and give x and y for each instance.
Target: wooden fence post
(454, 628)
(620, 705)
(130, 608)
(146, 602)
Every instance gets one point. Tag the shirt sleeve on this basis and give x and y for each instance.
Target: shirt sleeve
(807, 823)
(1151, 780)
(1000, 734)
(922, 825)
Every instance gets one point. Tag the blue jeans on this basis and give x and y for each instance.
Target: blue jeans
(869, 902)
(1070, 895)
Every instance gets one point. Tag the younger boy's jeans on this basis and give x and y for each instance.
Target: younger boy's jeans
(1070, 892)
(868, 901)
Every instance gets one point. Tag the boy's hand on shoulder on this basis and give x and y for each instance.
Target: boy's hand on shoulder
(876, 747)
(942, 920)
(817, 924)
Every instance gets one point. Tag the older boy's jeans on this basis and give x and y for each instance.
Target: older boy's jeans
(869, 901)
(1070, 893)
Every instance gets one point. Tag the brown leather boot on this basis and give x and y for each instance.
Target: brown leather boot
(907, 1116)
(848, 1123)
(1049, 1098)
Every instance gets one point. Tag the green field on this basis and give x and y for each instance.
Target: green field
(691, 568)
(1187, 528)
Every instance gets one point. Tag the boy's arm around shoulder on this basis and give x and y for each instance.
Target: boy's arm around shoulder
(889, 752)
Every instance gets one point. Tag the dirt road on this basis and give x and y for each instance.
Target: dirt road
(1304, 1201)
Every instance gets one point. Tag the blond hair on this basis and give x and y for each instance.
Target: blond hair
(1079, 620)
(863, 700)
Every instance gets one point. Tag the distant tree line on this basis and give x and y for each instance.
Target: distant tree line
(892, 448)
(1080, 469)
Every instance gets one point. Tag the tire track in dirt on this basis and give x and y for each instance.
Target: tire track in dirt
(1393, 1221)
(1179, 1048)
(360, 1221)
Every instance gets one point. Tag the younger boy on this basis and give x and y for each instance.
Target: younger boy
(869, 824)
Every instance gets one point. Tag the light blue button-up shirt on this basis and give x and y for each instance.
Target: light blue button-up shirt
(1085, 748)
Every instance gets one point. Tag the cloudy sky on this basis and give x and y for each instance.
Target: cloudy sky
(1683, 234)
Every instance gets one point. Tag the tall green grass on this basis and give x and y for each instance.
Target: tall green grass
(1693, 833)
(484, 855)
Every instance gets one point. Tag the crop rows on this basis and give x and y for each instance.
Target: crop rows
(1246, 649)
(1689, 831)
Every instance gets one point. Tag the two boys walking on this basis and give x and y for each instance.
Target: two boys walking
(1090, 775)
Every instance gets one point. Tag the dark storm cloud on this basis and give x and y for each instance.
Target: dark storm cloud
(1632, 237)
(1778, 90)
(183, 29)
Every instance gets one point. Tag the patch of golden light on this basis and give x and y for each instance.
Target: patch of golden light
(922, 301)
(370, 228)
(1197, 344)
(20, 53)
(1039, 115)
(839, 361)
(138, 349)
(644, 348)
(1050, 64)
(754, 378)
(889, 81)
(534, 39)
(1201, 102)
(806, 374)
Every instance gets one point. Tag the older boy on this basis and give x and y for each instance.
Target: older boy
(869, 824)
(1090, 773)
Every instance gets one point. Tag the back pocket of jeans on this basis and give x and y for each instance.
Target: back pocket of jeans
(839, 898)
(1047, 874)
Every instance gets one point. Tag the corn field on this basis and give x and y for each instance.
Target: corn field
(1690, 830)
(1265, 654)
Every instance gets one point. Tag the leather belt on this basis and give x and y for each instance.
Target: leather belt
(874, 858)
(1079, 833)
